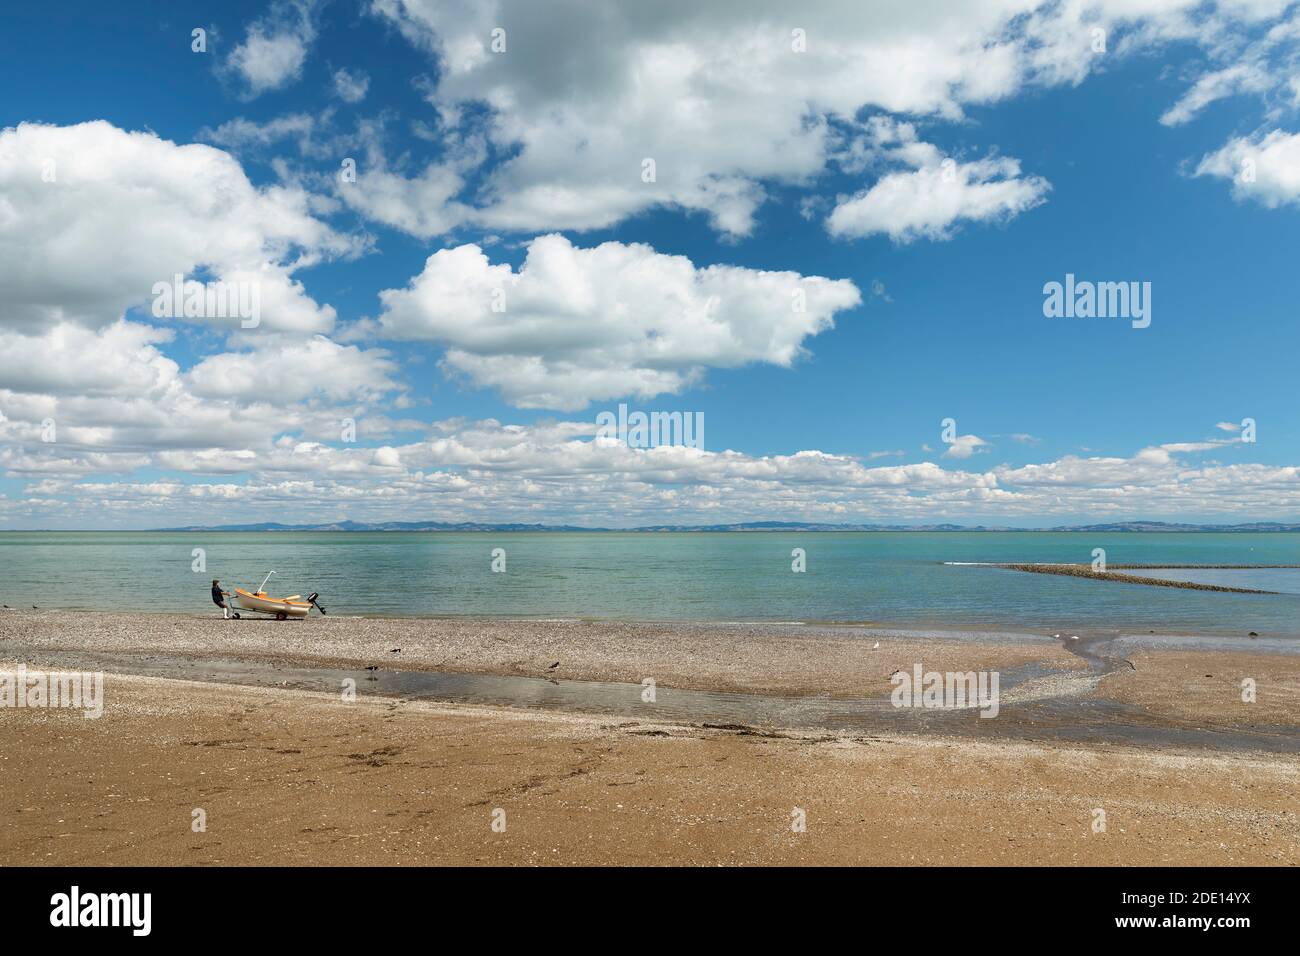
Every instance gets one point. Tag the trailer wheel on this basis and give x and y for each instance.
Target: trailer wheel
(281, 616)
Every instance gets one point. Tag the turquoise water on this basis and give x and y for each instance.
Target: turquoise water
(887, 578)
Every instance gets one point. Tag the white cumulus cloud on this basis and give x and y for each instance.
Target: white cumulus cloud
(934, 194)
(275, 48)
(293, 370)
(1263, 168)
(92, 217)
(963, 446)
(576, 325)
(351, 85)
(730, 97)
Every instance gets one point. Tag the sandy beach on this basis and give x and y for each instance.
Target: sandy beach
(1158, 745)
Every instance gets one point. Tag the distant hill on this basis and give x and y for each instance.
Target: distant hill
(382, 526)
(750, 526)
(1167, 526)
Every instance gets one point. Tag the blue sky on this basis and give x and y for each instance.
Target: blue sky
(1114, 165)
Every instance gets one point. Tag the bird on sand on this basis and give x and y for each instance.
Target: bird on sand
(875, 646)
(553, 666)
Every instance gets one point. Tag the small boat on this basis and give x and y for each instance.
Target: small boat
(281, 608)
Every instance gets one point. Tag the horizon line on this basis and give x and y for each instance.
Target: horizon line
(759, 526)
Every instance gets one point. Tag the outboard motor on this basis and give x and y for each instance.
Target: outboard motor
(311, 599)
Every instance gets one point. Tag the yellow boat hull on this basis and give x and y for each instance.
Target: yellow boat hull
(261, 603)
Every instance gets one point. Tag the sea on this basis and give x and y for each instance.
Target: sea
(897, 579)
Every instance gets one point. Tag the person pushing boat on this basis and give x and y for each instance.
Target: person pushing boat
(219, 598)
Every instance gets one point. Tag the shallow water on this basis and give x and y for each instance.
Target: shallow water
(887, 578)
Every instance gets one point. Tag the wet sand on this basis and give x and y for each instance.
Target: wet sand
(287, 775)
(1206, 688)
(300, 778)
